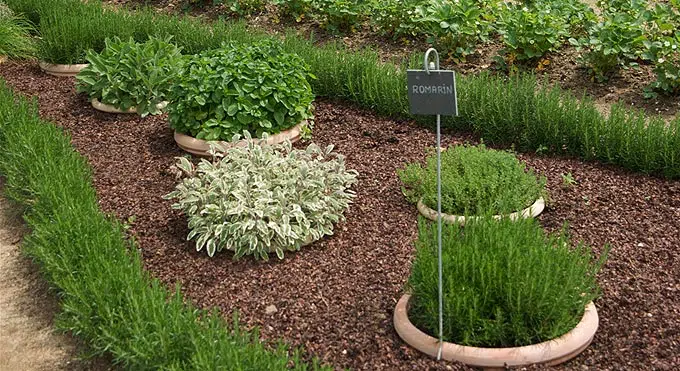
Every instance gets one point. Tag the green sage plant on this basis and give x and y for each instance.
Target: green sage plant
(258, 88)
(129, 74)
(260, 199)
(505, 283)
(475, 180)
(16, 41)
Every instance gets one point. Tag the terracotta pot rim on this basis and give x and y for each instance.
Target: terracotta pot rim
(62, 69)
(200, 147)
(530, 212)
(551, 352)
(111, 109)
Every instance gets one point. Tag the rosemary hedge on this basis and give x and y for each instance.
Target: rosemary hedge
(107, 298)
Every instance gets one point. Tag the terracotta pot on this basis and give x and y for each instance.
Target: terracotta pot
(200, 147)
(551, 352)
(111, 109)
(62, 70)
(530, 212)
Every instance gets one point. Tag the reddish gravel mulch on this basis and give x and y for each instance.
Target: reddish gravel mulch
(336, 297)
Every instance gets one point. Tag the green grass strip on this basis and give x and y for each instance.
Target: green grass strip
(106, 297)
(503, 111)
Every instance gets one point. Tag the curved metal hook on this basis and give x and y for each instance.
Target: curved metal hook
(427, 56)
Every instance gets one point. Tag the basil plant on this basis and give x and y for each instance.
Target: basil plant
(259, 199)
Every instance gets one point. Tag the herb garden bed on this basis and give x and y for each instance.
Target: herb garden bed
(336, 297)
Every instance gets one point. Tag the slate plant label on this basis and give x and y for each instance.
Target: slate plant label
(433, 93)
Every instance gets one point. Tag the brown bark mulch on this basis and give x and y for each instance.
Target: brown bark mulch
(336, 297)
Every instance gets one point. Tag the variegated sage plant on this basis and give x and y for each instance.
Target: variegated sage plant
(259, 199)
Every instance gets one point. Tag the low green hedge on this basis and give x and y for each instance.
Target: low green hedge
(106, 296)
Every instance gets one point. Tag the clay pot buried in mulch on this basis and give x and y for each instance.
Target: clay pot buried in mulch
(111, 109)
(62, 70)
(201, 147)
(530, 212)
(551, 352)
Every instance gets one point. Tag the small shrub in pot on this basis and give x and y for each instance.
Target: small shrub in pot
(256, 87)
(505, 283)
(475, 181)
(260, 199)
(129, 74)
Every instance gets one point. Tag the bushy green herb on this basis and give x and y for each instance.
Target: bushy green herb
(106, 296)
(475, 180)
(260, 199)
(242, 8)
(530, 33)
(395, 18)
(293, 9)
(338, 16)
(665, 52)
(128, 74)
(258, 88)
(456, 26)
(5, 11)
(15, 36)
(611, 43)
(505, 283)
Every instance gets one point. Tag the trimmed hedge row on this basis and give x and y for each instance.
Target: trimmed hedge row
(106, 296)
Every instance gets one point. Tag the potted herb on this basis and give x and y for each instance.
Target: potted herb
(475, 181)
(512, 296)
(256, 199)
(15, 35)
(131, 77)
(256, 87)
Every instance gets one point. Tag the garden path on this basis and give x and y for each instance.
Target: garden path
(28, 341)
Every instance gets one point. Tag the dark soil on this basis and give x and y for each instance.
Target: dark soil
(626, 86)
(336, 297)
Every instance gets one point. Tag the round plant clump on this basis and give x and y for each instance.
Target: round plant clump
(256, 88)
(256, 199)
(131, 76)
(506, 283)
(475, 181)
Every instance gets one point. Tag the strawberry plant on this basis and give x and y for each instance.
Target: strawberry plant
(293, 9)
(456, 26)
(613, 42)
(530, 33)
(665, 53)
(255, 200)
(338, 16)
(255, 87)
(128, 74)
(395, 18)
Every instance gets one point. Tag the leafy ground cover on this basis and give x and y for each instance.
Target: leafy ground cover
(337, 296)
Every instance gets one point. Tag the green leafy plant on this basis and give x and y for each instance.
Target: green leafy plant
(528, 33)
(128, 74)
(260, 199)
(15, 36)
(568, 180)
(456, 26)
(5, 11)
(665, 53)
(505, 284)
(338, 16)
(257, 88)
(293, 9)
(395, 18)
(611, 43)
(475, 180)
(242, 8)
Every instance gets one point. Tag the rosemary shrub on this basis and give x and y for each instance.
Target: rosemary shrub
(505, 283)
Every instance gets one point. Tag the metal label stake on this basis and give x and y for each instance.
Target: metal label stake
(432, 91)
